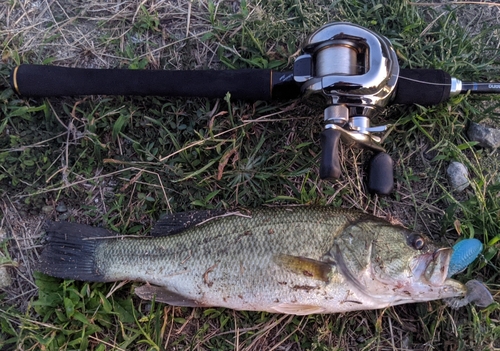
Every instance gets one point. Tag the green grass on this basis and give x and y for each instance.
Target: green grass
(121, 162)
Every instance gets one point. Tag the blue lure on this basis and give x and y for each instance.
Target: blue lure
(464, 253)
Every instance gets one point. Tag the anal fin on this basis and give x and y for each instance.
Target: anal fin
(161, 294)
(298, 309)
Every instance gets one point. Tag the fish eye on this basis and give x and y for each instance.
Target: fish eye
(416, 241)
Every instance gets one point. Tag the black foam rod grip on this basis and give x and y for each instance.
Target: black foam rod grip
(422, 86)
(381, 174)
(45, 81)
(329, 168)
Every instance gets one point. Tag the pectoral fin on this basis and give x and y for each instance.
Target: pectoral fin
(306, 266)
(298, 309)
(161, 294)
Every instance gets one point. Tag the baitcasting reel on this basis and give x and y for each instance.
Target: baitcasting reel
(353, 71)
(356, 72)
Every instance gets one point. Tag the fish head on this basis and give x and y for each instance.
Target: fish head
(393, 265)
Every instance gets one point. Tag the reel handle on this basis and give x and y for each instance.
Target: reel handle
(381, 174)
(329, 168)
(381, 168)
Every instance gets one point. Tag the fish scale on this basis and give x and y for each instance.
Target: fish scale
(296, 260)
(234, 246)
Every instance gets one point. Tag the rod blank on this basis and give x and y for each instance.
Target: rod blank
(480, 88)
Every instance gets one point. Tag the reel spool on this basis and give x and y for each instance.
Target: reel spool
(355, 71)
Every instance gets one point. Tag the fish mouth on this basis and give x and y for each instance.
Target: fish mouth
(436, 266)
(427, 279)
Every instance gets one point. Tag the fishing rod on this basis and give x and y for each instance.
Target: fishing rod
(353, 70)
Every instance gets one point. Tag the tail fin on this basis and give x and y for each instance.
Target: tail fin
(70, 251)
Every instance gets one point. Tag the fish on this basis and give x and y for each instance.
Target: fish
(291, 260)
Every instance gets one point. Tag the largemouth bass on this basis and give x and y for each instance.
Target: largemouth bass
(293, 260)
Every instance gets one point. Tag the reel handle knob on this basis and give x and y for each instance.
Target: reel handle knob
(381, 174)
(330, 164)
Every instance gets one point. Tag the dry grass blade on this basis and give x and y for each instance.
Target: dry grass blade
(24, 234)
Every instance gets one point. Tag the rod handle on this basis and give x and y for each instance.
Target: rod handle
(422, 86)
(46, 81)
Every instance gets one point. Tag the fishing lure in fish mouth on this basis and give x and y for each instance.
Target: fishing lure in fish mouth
(464, 253)
(476, 293)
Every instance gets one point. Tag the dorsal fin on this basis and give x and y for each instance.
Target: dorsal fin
(177, 222)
